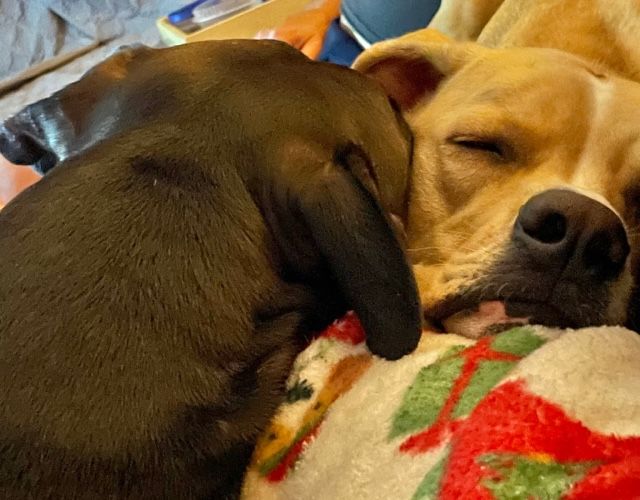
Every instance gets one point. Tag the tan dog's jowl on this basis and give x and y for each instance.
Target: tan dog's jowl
(525, 201)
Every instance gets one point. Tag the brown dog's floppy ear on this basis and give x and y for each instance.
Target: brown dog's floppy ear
(356, 240)
(411, 68)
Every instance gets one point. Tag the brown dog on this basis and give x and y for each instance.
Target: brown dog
(524, 203)
(203, 208)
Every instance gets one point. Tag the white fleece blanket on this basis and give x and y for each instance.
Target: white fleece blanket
(531, 413)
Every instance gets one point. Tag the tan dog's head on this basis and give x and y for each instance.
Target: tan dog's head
(526, 189)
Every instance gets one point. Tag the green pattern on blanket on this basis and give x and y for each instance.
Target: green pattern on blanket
(487, 375)
(432, 387)
(301, 390)
(522, 477)
(430, 485)
(426, 396)
(519, 341)
(275, 460)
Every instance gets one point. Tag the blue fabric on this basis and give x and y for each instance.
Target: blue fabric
(339, 47)
(374, 20)
(377, 20)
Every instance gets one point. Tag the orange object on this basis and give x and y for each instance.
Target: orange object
(13, 179)
(306, 30)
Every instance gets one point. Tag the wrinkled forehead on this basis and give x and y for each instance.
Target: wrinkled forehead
(547, 94)
(511, 72)
(534, 88)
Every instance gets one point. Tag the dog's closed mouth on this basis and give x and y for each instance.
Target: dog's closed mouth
(477, 318)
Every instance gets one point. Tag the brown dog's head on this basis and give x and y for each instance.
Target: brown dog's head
(525, 197)
(303, 142)
(79, 115)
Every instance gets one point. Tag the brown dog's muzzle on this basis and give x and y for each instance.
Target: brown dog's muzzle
(21, 142)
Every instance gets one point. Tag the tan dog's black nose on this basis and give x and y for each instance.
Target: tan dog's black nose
(564, 230)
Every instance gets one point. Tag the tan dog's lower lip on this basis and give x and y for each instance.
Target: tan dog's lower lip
(488, 318)
(472, 317)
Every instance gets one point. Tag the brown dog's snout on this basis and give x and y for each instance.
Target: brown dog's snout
(16, 146)
(561, 229)
(23, 142)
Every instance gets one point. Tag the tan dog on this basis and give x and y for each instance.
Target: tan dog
(526, 192)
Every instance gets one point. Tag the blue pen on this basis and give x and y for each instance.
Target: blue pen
(184, 13)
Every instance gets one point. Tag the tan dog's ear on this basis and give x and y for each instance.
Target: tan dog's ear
(411, 68)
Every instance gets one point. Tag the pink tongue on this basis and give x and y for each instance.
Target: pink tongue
(476, 323)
